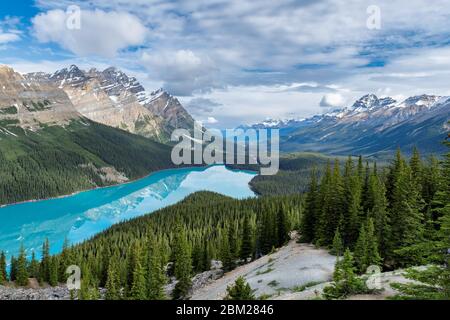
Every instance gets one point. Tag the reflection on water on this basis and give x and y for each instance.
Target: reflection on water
(79, 217)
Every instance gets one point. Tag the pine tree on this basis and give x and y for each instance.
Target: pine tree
(372, 254)
(139, 288)
(156, 276)
(311, 213)
(241, 290)
(53, 271)
(345, 281)
(3, 274)
(22, 272)
(225, 252)
(13, 269)
(89, 288)
(282, 227)
(182, 264)
(331, 198)
(338, 245)
(247, 247)
(33, 267)
(415, 164)
(378, 211)
(405, 216)
(352, 212)
(361, 250)
(113, 291)
(44, 273)
(64, 261)
(366, 249)
(233, 243)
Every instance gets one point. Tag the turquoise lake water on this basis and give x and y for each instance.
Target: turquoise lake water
(80, 216)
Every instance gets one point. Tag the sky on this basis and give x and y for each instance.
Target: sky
(233, 62)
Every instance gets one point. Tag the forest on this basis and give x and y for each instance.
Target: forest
(60, 160)
(393, 217)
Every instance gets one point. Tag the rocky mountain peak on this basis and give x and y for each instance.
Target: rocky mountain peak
(72, 75)
(421, 100)
(369, 101)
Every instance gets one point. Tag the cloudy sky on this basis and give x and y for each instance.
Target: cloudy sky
(241, 61)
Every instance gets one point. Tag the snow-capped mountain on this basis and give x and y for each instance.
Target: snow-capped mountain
(113, 98)
(370, 125)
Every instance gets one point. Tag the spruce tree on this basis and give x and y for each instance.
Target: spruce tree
(372, 252)
(113, 290)
(3, 274)
(345, 281)
(361, 250)
(64, 260)
(54, 271)
(139, 288)
(225, 252)
(33, 267)
(405, 216)
(182, 264)
(311, 212)
(156, 276)
(247, 247)
(366, 249)
(378, 212)
(240, 290)
(13, 269)
(338, 245)
(282, 227)
(22, 272)
(44, 272)
(352, 212)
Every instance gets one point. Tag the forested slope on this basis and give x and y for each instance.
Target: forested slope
(58, 160)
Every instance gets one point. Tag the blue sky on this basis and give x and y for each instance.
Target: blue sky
(241, 61)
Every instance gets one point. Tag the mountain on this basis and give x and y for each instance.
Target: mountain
(48, 148)
(113, 98)
(32, 104)
(371, 126)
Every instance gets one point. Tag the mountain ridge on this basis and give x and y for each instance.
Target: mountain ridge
(370, 126)
(113, 98)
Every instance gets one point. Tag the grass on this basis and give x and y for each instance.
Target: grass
(273, 283)
(265, 271)
(305, 286)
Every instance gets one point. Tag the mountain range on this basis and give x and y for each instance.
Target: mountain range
(370, 126)
(113, 98)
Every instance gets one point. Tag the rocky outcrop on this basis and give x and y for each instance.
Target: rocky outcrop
(51, 293)
(170, 109)
(31, 104)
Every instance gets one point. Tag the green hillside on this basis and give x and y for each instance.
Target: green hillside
(60, 160)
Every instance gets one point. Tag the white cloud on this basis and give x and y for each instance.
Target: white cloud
(211, 120)
(332, 100)
(8, 37)
(182, 71)
(101, 33)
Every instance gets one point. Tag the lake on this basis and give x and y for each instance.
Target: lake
(80, 216)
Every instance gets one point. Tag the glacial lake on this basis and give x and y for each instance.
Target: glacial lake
(80, 216)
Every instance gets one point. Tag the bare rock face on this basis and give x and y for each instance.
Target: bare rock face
(31, 104)
(113, 98)
(170, 109)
